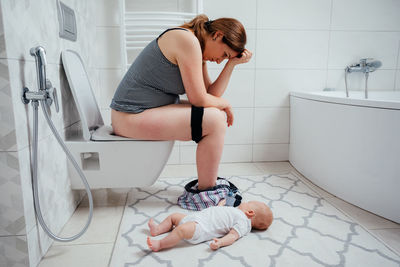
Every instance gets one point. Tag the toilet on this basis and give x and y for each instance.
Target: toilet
(107, 160)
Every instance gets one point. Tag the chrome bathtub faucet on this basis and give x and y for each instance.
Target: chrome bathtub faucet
(365, 65)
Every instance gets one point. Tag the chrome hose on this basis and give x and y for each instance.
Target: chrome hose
(35, 173)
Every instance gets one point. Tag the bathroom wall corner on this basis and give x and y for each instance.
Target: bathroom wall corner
(3, 52)
(13, 242)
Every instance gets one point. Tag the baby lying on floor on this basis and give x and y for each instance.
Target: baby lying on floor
(224, 225)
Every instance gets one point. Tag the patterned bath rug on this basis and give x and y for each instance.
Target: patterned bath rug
(306, 231)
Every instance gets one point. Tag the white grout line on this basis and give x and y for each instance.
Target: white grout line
(119, 228)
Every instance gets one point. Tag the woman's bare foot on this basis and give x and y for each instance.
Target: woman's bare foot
(154, 245)
(153, 227)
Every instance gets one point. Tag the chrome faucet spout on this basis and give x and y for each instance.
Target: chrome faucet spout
(366, 66)
(40, 58)
(373, 65)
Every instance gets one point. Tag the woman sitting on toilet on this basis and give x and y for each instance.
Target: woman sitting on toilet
(146, 104)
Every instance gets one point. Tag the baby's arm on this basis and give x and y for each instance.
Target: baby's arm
(227, 240)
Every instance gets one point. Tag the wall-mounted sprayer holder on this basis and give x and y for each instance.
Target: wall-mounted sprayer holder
(46, 91)
(365, 65)
(47, 95)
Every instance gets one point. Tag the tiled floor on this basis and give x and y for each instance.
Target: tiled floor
(95, 247)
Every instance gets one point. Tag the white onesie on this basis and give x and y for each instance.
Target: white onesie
(214, 222)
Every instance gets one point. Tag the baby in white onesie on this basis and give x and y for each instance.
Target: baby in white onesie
(224, 225)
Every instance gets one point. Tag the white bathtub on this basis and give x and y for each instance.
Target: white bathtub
(349, 146)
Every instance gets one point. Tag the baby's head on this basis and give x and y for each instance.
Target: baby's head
(259, 213)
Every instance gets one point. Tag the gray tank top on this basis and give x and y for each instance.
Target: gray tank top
(151, 81)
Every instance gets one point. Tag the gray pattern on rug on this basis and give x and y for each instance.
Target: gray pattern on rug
(307, 230)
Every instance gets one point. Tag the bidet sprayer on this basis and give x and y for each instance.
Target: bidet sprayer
(40, 57)
(46, 91)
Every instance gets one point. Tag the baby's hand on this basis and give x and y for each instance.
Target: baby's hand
(216, 244)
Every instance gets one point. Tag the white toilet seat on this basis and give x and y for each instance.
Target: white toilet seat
(105, 133)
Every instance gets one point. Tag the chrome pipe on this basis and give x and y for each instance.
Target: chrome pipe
(366, 85)
(346, 71)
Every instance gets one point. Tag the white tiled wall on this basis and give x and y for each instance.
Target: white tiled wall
(107, 48)
(28, 24)
(272, 86)
(289, 14)
(289, 49)
(366, 15)
(347, 47)
(108, 53)
(297, 45)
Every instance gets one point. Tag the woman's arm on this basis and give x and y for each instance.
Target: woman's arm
(218, 87)
(227, 240)
(206, 78)
(189, 58)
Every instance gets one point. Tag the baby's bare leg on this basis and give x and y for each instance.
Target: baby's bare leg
(166, 225)
(183, 231)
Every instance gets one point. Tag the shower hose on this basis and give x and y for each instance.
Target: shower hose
(35, 172)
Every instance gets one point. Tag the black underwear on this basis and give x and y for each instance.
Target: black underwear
(196, 122)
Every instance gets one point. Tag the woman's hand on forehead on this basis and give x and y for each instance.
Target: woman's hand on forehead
(244, 58)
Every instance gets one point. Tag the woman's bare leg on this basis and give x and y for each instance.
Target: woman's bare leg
(172, 122)
(209, 149)
(166, 225)
(183, 231)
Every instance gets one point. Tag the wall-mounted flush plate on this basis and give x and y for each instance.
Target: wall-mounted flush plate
(67, 22)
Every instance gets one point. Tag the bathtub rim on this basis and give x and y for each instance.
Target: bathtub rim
(332, 97)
